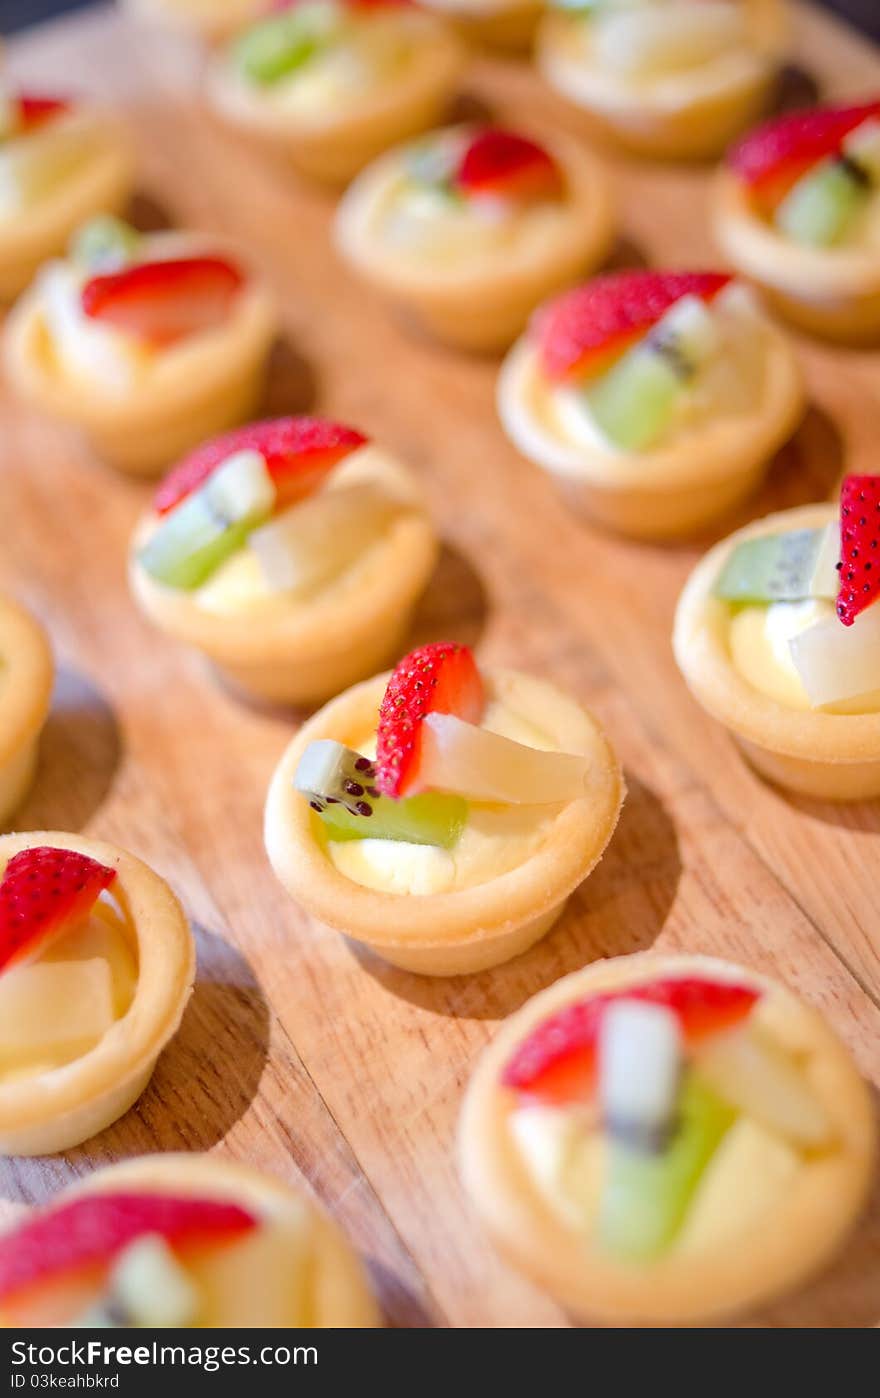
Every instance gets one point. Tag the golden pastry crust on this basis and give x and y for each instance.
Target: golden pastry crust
(831, 756)
(470, 929)
(68, 1105)
(303, 654)
(195, 389)
(674, 488)
(834, 292)
(339, 143)
(674, 1290)
(483, 302)
(340, 1294)
(102, 185)
(504, 24)
(689, 118)
(26, 676)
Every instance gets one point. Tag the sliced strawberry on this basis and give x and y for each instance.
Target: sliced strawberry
(44, 892)
(441, 678)
(557, 1064)
(92, 1230)
(773, 156)
(160, 302)
(506, 164)
(299, 452)
(34, 111)
(584, 329)
(859, 546)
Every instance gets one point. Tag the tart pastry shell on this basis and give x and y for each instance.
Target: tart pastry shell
(692, 123)
(483, 305)
(194, 390)
(65, 1106)
(102, 186)
(335, 146)
(492, 24)
(25, 694)
(672, 490)
(833, 757)
(340, 1295)
(673, 1290)
(834, 292)
(303, 655)
(471, 929)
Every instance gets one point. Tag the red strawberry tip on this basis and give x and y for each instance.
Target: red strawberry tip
(438, 678)
(43, 892)
(859, 546)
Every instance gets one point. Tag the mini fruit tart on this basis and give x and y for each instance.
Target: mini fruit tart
(777, 634)
(61, 162)
(96, 966)
(442, 816)
(210, 20)
(181, 1241)
(797, 208)
(505, 24)
(677, 79)
(148, 344)
(291, 552)
(656, 399)
(666, 1140)
(26, 674)
(468, 229)
(333, 83)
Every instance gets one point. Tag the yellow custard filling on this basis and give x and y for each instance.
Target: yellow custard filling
(34, 165)
(758, 644)
(59, 1006)
(495, 838)
(360, 57)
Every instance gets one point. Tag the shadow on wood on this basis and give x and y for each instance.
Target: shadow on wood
(80, 753)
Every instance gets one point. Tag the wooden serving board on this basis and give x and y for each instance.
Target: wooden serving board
(299, 1053)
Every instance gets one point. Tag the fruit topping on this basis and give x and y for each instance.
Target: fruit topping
(319, 538)
(339, 785)
(45, 892)
(509, 166)
(773, 156)
(859, 546)
(635, 403)
(646, 1194)
(640, 1065)
(54, 1011)
(210, 524)
(147, 1287)
(33, 111)
(581, 332)
(654, 40)
(95, 1229)
(838, 663)
(760, 1080)
(439, 678)
(162, 302)
(298, 451)
(781, 567)
(281, 44)
(105, 244)
(821, 209)
(557, 1063)
(464, 758)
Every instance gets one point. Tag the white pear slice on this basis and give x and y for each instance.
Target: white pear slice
(639, 1071)
(151, 1288)
(317, 539)
(53, 1011)
(825, 581)
(863, 146)
(564, 1157)
(837, 662)
(463, 758)
(760, 1080)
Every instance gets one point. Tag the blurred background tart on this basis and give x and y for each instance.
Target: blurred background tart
(666, 1140)
(146, 343)
(26, 674)
(468, 229)
(181, 1241)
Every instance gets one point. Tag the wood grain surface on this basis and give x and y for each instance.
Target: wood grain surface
(299, 1053)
